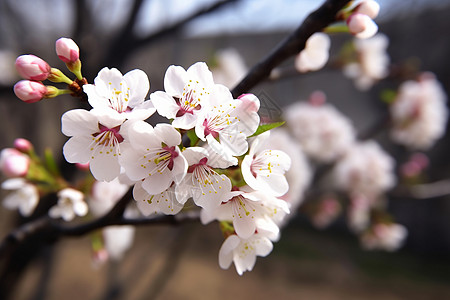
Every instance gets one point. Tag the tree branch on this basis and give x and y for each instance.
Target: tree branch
(293, 44)
(120, 49)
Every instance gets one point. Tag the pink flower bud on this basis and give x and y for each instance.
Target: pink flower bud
(82, 167)
(67, 50)
(361, 26)
(30, 91)
(32, 67)
(14, 163)
(23, 145)
(368, 7)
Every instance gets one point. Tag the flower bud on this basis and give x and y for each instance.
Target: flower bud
(30, 91)
(368, 7)
(14, 163)
(361, 26)
(32, 67)
(67, 50)
(23, 145)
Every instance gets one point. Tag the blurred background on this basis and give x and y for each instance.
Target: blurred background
(181, 262)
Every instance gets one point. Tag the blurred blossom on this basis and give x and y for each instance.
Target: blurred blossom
(70, 204)
(370, 8)
(23, 145)
(104, 195)
(358, 214)
(361, 26)
(229, 67)
(14, 163)
(419, 113)
(373, 62)
(388, 237)
(323, 132)
(328, 210)
(25, 196)
(118, 239)
(315, 55)
(365, 169)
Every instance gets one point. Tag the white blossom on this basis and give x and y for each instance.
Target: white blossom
(299, 175)
(165, 202)
(153, 156)
(187, 93)
(361, 26)
(117, 240)
(207, 188)
(96, 138)
(104, 195)
(419, 113)
(323, 132)
(122, 96)
(70, 204)
(250, 211)
(315, 55)
(226, 124)
(365, 169)
(230, 67)
(264, 169)
(372, 64)
(388, 237)
(243, 252)
(24, 197)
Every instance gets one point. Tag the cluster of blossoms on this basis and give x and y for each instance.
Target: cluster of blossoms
(211, 152)
(358, 16)
(419, 113)
(361, 170)
(214, 156)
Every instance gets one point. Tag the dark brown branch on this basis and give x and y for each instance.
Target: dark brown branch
(293, 44)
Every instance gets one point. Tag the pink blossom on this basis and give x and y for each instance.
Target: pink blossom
(32, 67)
(14, 163)
(23, 145)
(67, 50)
(30, 91)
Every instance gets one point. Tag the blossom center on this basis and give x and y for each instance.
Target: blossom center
(108, 136)
(190, 99)
(118, 99)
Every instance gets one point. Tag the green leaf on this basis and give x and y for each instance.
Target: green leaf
(192, 137)
(50, 162)
(388, 96)
(265, 127)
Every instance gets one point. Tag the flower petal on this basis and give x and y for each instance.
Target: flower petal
(174, 81)
(78, 122)
(138, 85)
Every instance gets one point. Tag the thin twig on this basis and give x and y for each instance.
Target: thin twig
(293, 44)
